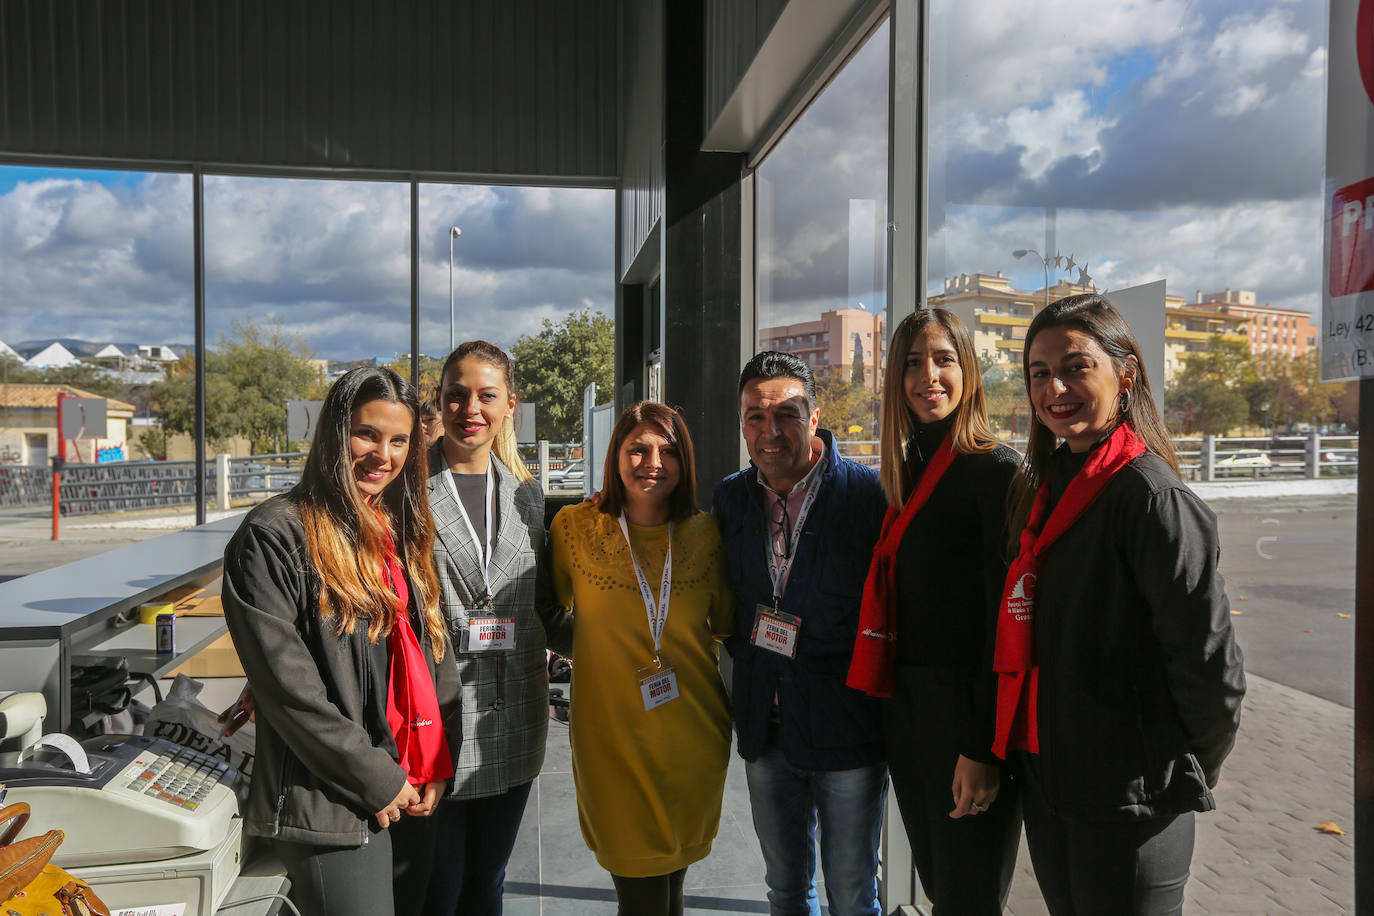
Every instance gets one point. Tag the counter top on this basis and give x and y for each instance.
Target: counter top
(59, 601)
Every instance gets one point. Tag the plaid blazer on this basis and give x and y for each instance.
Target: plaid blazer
(505, 695)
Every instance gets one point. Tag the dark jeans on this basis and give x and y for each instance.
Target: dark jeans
(660, 895)
(1131, 868)
(965, 864)
(474, 843)
(379, 878)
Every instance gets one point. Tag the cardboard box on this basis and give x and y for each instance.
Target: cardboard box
(216, 660)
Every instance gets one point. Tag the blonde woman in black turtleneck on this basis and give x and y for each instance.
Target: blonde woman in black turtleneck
(929, 609)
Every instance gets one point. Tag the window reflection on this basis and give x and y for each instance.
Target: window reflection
(822, 244)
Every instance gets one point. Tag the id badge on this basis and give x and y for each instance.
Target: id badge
(491, 634)
(775, 631)
(657, 683)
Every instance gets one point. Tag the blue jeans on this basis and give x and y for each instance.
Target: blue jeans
(473, 844)
(788, 804)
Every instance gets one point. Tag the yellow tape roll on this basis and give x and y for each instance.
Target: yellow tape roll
(147, 613)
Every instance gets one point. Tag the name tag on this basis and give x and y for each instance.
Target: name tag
(491, 634)
(775, 631)
(657, 685)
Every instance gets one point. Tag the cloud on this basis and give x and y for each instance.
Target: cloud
(330, 260)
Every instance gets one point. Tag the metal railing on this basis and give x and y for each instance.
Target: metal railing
(127, 485)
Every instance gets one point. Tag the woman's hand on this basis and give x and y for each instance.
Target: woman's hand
(237, 715)
(425, 807)
(975, 786)
(392, 812)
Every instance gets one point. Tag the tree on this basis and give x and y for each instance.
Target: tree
(1211, 388)
(845, 404)
(856, 373)
(553, 367)
(249, 376)
(429, 369)
(1004, 393)
(1287, 391)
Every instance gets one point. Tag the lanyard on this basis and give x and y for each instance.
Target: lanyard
(657, 614)
(780, 566)
(483, 550)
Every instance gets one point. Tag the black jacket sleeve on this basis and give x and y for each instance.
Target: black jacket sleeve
(1174, 553)
(265, 593)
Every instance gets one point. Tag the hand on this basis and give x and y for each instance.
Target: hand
(425, 807)
(237, 715)
(594, 498)
(392, 812)
(975, 786)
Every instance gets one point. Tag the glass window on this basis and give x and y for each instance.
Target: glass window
(1085, 137)
(822, 243)
(95, 302)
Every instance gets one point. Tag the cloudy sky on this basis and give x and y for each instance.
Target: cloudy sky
(107, 256)
(1171, 139)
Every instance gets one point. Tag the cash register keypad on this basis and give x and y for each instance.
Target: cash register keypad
(184, 777)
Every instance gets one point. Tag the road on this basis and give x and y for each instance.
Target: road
(1289, 563)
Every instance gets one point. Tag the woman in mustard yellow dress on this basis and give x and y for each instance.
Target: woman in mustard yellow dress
(651, 722)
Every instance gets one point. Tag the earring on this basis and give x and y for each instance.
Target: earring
(1125, 400)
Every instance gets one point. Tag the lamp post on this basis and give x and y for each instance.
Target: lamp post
(1020, 253)
(453, 233)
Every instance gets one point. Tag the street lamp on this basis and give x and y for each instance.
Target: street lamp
(453, 233)
(1020, 253)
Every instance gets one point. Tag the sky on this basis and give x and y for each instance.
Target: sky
(1170, 139)
(107, 256)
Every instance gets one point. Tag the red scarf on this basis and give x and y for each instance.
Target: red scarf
(1018, 676)
(412, 706)
(875, 648)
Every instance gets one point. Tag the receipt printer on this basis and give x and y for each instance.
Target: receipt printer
(148, 822)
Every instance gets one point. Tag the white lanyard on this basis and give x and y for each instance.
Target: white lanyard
(780, 566)
(657, 614)
(483, 550)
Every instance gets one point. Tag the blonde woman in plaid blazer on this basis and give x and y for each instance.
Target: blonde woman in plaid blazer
(487, 507)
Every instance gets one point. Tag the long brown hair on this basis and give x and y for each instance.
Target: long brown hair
(1091, 314)
(345, 536)
(972, 434)
(669, 424)
(504, 446)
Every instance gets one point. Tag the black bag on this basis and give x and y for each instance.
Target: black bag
(101, 687)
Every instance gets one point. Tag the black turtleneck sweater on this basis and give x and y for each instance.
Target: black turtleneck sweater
(951, 567)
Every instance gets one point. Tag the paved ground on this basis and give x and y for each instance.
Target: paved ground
(1257, 854)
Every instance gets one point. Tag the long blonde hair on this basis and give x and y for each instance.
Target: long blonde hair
(346, 537)
(504, 445)
(972, 434)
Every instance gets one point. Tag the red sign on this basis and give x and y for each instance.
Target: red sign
(1364, 45)
(1352, 238)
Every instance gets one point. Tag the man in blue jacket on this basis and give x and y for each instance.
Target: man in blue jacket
(800, 525)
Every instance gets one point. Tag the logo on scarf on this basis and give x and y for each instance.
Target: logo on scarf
(421, 722)
(1022, 597)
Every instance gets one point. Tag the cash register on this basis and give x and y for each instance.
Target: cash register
(148, 823)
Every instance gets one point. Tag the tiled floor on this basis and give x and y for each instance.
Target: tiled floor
(551, 871)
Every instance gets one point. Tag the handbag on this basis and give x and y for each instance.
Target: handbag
(30, 885)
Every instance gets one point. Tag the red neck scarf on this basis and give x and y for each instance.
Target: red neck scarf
(1018, 676)
(875, 648)
(412, 706)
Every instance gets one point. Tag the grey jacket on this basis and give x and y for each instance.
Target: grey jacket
(505, 695)
(326, 760)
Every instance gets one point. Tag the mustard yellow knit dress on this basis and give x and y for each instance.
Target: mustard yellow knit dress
(649, 782)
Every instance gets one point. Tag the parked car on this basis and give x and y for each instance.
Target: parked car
(1246, 462)
(572, 476)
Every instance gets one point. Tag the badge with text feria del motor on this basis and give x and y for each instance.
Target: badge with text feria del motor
(1346, 332)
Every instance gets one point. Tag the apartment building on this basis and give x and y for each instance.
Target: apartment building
(833, 340)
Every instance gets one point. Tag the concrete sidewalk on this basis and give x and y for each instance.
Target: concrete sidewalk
(1258, 853)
